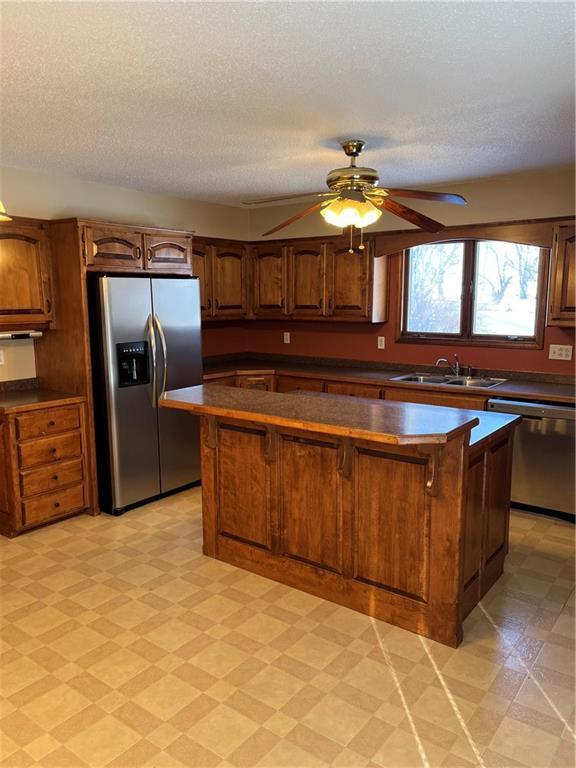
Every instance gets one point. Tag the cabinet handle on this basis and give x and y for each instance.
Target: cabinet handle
(331, 304)
(209, 304)
(216, 303)
(51, 423)
(137, 253)
(149, 252)
(56, 504)
(48, 306)
(53, 451)
(54, 477)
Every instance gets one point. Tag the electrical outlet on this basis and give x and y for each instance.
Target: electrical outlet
(381, 342)
(286, 337)
(560, 352)
(1, 357)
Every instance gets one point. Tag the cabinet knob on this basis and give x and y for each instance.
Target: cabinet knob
(51, 423)
(56, 504)
(52, 451)
(54, 477)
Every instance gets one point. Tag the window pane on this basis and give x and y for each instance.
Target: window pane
(435, 288)
(506, 288)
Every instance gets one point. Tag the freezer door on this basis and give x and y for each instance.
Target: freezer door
(176, 307)
(126, 317)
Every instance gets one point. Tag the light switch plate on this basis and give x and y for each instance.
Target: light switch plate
(286, 337)
(560, 352)
(381, 342)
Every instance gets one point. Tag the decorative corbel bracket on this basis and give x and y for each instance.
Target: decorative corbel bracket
(432, 453)
(271, 445)
(345, 458)
(211, 433)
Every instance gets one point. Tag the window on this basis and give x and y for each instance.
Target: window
(486, 292)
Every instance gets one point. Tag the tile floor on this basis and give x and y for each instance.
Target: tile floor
(123, 646)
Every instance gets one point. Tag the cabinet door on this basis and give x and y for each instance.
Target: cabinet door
(348, 280)
(264, 382)
(229, 280)
(306, 279)
(168, 253)
(286, 383)
(25, 294)
(113, 249)
(563, 278)
(202, 269)
(269, 280)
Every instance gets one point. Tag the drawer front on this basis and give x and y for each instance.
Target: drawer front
(53, 504)
(49, 449)
(353, 390)
(47, 422)
(50, 478)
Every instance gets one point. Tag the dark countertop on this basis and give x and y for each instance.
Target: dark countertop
(33, 399)
(513, 388)
(377, 421)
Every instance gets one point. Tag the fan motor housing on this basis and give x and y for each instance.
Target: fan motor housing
(352, 177)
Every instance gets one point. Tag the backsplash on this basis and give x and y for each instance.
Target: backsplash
(19, 361)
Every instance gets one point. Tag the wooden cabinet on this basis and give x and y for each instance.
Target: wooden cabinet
(111, 248)
(25, 278)
(446, 399)
(353, 390)
(269, 280)
(287, 383)
(562, 308)
(229, 284)
(168, 253)
(306, 279)
(43, 461)
(264, 381)
(202, 269)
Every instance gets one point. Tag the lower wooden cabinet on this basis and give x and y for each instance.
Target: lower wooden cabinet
(264, 382)
(448, 400)
(43, 461)
(287, 383)
(353, 390)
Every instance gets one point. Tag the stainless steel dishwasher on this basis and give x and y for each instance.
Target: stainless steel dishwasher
(543, 459)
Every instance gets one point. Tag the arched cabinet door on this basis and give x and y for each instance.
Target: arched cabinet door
(25, 287)
(202, 269)
(168, 253)
(306, 279)
(229, 279)
(269, 280)
(563, 278)
(113, 248)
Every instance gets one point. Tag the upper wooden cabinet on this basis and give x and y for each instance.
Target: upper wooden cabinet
(269, 280)
(25, 285)
(229, 279)
(562, 309)
(306, 279)
(168, 253)
(202, 269)
(112, 248)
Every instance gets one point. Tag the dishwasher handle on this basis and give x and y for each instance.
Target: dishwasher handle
(533, 410)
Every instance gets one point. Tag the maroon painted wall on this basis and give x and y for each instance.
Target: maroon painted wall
(358, 342)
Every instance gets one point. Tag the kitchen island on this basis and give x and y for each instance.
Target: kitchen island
(397, 510)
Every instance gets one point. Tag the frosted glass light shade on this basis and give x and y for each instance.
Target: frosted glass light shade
(344, 212)
(3, 215)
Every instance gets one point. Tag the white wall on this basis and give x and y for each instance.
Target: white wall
(531, 195)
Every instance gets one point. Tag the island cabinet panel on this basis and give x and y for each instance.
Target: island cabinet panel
(269, 280)
(307, 286)
(474, 522)
(498, 472)
(310, 512)
(390, 498)
(562, 309)
(243, 497)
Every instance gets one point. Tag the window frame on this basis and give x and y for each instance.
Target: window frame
(466, 337)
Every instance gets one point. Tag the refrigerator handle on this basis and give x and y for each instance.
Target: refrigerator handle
(152, 338)
(164, 353)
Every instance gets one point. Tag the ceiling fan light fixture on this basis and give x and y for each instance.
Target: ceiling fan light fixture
(3, 215)
(346, 212)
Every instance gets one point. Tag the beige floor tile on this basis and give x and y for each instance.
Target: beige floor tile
(223, 730)
(524, 743)
(336, 719)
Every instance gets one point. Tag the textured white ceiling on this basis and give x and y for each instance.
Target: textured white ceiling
(230, 101)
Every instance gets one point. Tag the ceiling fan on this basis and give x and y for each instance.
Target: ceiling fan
(356, 200)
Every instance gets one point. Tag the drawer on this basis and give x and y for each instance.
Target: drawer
(49, 449)
(50, 478)
(353, 390)
(54, 504)
(47, 422)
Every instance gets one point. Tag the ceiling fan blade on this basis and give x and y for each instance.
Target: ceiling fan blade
(409, 215)
(302, 196)
(297, 217)
(439, 197)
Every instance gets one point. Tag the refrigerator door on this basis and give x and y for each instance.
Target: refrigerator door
(127, 327)
(176, 307)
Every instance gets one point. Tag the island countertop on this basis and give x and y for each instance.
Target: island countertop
(395, 423)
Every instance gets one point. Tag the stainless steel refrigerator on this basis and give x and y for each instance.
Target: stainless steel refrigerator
(145, 340)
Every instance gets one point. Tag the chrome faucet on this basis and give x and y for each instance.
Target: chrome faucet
(455, 368)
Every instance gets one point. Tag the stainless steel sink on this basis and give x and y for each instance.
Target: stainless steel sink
(470, 381)
(457, 381)
(423, 378)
